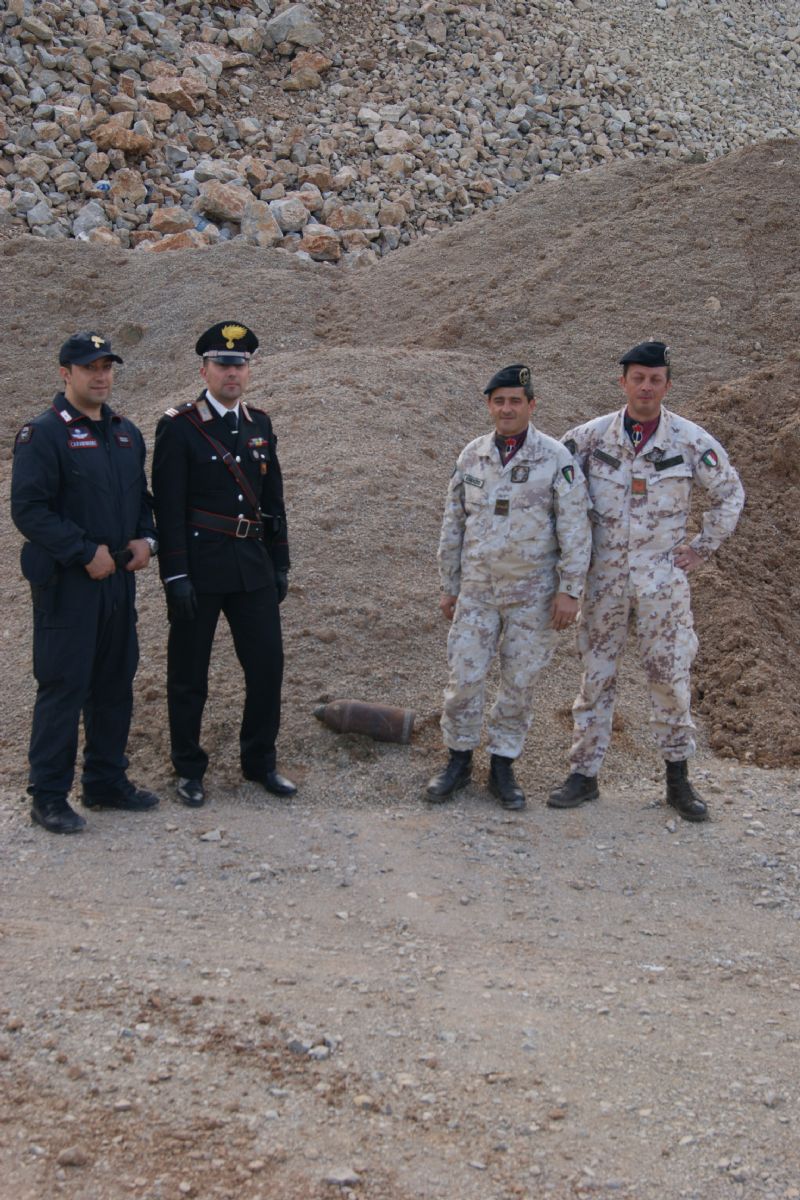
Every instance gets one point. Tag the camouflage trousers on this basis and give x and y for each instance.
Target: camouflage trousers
(667, 646)
(522, 637)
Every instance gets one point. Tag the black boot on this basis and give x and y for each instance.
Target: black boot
(575, 790)
(503, 784)
(55, 814)
(682, 796)
(455, 775)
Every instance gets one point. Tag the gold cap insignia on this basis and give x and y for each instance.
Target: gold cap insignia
(524, 376)
(666, 356)
(98, 341)
(232, 333)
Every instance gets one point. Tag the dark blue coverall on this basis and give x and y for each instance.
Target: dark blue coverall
(77, 484)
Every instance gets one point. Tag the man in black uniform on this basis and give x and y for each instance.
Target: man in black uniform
(79, 495)
(222, 527)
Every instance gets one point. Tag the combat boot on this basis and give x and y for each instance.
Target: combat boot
(502, 783)
(455, 775)
(575, 790)
(682, 796)
(55, 814)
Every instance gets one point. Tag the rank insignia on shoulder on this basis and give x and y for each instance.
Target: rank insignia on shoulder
(473, 481)
(711, 458)
(519, 474)
(25, 434)
(178, 409)
(568, 473)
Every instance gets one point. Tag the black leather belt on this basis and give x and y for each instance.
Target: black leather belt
(238, 527)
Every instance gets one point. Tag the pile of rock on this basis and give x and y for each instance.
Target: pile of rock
(340, 132)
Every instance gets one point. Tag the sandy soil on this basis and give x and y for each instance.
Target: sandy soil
(447, 1003)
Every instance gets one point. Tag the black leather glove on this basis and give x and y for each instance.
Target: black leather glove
(282, 584)
(181, 599)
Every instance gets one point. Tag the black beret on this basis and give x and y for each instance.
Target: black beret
(84, 348)
(511, 377)
(648, 354)
(228, 341)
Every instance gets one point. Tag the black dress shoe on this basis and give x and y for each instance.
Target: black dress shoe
(681, 795)
(455, 775)
(271, 781)
(191, 792)
(127, 796)
(576, 789)
(54, 813)
(503, 785)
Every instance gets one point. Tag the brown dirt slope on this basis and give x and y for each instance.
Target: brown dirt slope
(374, 377)
(748, 605)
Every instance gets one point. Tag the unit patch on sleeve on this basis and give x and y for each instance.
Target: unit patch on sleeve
(568, 473)
(25, 434)
(710, 458)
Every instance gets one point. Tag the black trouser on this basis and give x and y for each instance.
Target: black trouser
(255, 624)
(85, 654)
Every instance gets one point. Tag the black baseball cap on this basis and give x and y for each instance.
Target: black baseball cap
(84, 348)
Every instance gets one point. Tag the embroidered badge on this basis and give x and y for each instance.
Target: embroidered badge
(568, 473)
(472, 481)
(638, 486)
(524, 376)
(98, 341)
(25, 434)
(232, 333)
(79, 434)
(520, 474)
(501, 507)
(89, 443)
(123, 439)
(711, 459)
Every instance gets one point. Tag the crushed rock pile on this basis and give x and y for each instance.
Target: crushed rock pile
(342, 129)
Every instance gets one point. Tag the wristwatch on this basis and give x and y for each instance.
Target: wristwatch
(153, 544)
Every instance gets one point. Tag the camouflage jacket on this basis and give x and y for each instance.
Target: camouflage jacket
(640, 503)
(515, 530)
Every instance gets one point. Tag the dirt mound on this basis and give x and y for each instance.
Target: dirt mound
(374, 379)
(748, 604)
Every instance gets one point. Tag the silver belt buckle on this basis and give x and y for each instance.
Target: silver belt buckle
(243, 523)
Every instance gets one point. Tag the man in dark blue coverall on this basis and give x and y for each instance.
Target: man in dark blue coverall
(79, 496)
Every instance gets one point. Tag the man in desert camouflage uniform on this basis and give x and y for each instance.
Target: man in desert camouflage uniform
(513, 554)
(640, 464)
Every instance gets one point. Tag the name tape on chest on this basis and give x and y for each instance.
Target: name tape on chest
(665, 463)
(473, 481)
(608, 459)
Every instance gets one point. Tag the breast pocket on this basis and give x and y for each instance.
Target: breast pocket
(608, 492)
(670, 490)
